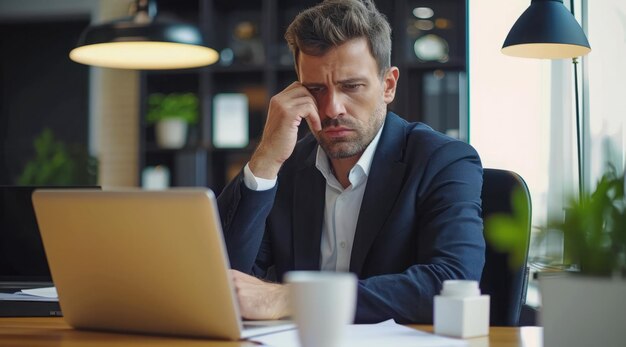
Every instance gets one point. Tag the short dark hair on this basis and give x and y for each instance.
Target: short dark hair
(333, 22)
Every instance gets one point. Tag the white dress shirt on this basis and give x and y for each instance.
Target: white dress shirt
(341, 208)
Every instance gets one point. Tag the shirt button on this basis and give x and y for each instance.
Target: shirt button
(342, 244)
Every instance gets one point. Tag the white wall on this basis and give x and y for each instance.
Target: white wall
(509, 99)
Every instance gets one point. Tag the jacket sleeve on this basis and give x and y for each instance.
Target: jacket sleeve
(244, 213)
(450, 243)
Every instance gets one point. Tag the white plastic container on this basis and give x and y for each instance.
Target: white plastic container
(460, 310)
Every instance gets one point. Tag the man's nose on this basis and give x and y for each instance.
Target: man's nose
(333, 105)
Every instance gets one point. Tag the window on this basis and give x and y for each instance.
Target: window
(605, 76)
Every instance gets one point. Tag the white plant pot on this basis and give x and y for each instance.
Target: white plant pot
(171, 133)
(583, 311)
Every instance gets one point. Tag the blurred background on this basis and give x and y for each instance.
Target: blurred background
(100, 115)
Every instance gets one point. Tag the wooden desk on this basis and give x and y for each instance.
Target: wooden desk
(54, 332)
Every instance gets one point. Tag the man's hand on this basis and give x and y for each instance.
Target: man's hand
(259, 299)
(286, 111)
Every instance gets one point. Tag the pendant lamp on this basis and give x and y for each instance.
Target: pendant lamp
(143, 41)
(547, 30)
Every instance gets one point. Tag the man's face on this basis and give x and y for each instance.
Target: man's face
(350, 95)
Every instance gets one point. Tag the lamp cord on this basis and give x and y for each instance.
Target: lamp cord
(579, 139)
(579, 135)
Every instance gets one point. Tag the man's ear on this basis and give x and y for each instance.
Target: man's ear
(390, 82)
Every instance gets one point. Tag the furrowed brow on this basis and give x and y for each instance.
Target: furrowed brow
(354, 80)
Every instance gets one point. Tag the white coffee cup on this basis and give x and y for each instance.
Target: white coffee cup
(322, 304)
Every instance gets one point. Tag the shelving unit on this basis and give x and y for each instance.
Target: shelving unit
(430, 91)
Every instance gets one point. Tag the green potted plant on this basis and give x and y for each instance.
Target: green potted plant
(582, 307)
(56, 163)
(171, 114)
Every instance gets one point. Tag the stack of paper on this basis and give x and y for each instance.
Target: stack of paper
(387, 333)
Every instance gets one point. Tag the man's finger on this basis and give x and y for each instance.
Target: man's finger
(313, 119)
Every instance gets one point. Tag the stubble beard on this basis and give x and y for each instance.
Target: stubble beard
(356, 144)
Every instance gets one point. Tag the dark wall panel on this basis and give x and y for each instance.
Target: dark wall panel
(39, 87)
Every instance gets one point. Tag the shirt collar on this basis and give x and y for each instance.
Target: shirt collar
(358, 172)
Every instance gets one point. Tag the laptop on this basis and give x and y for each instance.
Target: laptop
(142, 262)
(23, 262)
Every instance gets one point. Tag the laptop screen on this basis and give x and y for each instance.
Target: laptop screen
(22, 256)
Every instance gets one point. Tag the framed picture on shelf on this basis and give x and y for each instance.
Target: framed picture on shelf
(230, 120)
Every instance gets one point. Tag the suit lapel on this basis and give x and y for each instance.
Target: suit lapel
(383, 185)
(309, 197)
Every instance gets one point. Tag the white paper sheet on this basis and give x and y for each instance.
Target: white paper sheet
(387, 333)
(47, 292)
(24, 297)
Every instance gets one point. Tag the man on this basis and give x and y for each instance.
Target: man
(396, 203)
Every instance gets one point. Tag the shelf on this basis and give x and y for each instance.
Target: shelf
(155, 149)
(176, 72)
(238, 5)
(170, 83)
(450, 65)
(221, 69)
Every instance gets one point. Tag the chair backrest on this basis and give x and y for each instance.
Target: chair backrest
(505, 285)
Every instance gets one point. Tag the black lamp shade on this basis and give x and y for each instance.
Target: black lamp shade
(546, 30)
(159, 44)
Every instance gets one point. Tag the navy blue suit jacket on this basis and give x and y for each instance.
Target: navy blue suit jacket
(419, 224)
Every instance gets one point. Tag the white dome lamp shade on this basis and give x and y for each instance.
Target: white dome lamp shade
(144, 42)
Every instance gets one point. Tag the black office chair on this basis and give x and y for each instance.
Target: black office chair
(506, 286)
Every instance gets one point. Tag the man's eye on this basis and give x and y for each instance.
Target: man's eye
(352, 86)
(314, 90)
